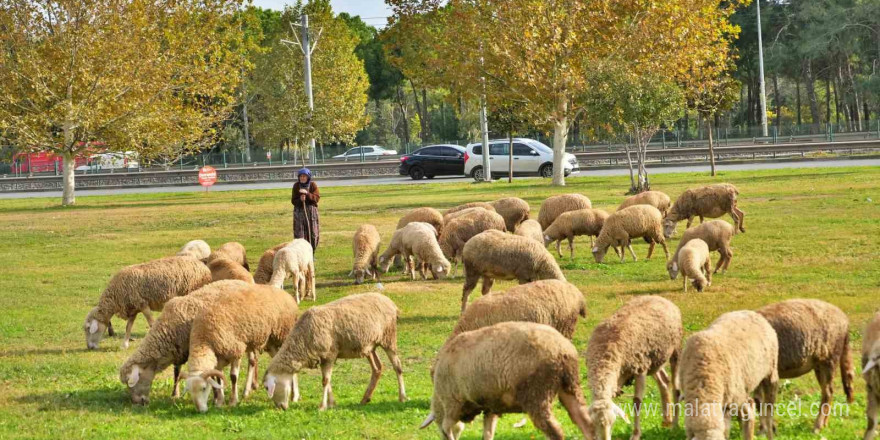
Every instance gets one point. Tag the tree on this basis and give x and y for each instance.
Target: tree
(149, 76)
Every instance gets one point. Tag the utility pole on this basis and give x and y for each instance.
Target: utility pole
(307, 48)
(761, 74)
(484, 127)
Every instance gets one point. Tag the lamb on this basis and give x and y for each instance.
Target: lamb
(484, 205)
(693, 261)
(721, 367)
(530, 229)
(348, 328)
(461, 229)
(233, 251)
(573, 223)
(656, 199)
(514, 210)
(813, 335)
(507, 368)
(366, 253)
(295, 261)
(494, 254)
(264, 268)
(238, 323)
(716, 234)
(143, 288)
(196, 248)
(225, 269)
(711, 201)
(634, 343)
(417, 240)
(628, 223)
(167, 343)
(553, 206)
(430, 216)
(870, 359)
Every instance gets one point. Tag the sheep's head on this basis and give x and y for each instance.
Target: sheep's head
(669, 227)
(360, 274)
(672, 268)
(547, 240)
(279, 387)
(385, 263)
(603, 413)
(599, 253)
(873, 361)
(94, 330)
(440, 270)
(699, 284)
(138, 380)
(199, 386)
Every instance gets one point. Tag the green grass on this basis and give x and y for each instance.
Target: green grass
(811, 233)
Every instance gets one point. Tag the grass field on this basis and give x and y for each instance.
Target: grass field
(811, 233)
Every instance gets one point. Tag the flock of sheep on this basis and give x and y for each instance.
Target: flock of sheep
(509, 352)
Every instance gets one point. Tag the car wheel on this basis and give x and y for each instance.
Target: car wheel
(477, 174)
(429, 176)
(546, 171)
(416, 173)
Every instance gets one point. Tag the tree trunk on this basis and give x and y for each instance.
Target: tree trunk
(510, 155)
(560, 133)
(401, 102)
(797, 89)
(857, 116)
(867, 114)
(747, 112)
(712, 144)
(809, 81)
(777, 101)
(69, 164)
(836, 103)
(632, 177)
(484, 136)
(426, 118)
(827, 100)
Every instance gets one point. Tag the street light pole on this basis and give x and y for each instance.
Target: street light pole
(761, 74)
(307, 48)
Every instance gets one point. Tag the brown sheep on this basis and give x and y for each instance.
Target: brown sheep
(225, 269)
(716, 234)
(514, 210)
(233, 250)
(711, 201)
(485, 205)
(264, 268)
(553, 206)
(656, 199)
(459, 230)
(530, 229)
(628, 223)
(430, 216)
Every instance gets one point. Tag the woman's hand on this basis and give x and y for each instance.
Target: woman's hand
(302, 197)
(303, 191)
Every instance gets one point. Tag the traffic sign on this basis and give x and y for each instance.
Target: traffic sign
(207, 176)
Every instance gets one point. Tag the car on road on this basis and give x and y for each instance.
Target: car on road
(530, 157)
(111, 161)
(366, 151)
(433, 160)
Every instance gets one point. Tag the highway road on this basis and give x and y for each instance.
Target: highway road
(398, 180)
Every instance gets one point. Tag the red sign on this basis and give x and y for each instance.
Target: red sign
(207, 176)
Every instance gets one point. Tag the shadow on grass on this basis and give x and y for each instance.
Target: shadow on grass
(426, 319)
(383, 405)
(50, 351)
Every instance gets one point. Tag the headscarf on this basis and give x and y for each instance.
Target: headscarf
(308, 174)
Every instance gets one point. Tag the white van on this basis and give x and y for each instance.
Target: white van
(530, 158)
(111, 161)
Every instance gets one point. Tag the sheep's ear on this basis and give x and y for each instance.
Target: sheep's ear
(595, 249)
(213, 382)
(427, 421)
(871, 364)
(134, 376)
(270, 385)
(351, 273)
(674, 265)
(619, 412)
(93, 327)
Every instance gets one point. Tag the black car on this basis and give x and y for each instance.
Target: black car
(434, 160)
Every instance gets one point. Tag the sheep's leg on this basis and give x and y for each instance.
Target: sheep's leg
(249, 382)
(662, 242)
(376, 367)
(871, 414)
(148, 314)
(571, 247)
(707, 268)
(128, 326)
(663, 385)
(543, 419)
(312, 281)
(629, 245)
(824, 374)
(470, 283)
(295, 386)
(577, 410)
(701, 219)
(684, 278)
(676, 393)
(768, 390)
(234, 371)
(110, 331)
(747, 421)
(741, 217)
(326, 373)
(398, 370)
(487, 285)
(650, 250)
(175, 390)
(637, 407)
(451, 427)
(558, 248)
(690, 221)
(490, 421)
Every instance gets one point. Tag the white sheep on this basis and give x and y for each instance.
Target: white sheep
(628, 223)
(351, 327)
(197, 249)
(514, 210)
(416, 240)
(694, 263)
(459, 230)
(711, 201)
(554, 206)
(295, 261)
(366, 253)
(871, 374)
(717, 235)
(530, 229)
(572, 224)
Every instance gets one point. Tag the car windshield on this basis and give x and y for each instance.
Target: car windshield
(541, 147)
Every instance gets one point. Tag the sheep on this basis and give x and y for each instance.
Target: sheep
(634, 343)
(813, 335)
(530, 229)
(295, 261)
(417, 240)
(225, 269)
(264, 267)
(461, 229)
(694, 262)
(143, 288)
(476, 210)
(485, 205)
(870, 359)
(716, 234)
(348, 328)
(628, 223)
(430, 216)
(196, 248)
(514, 210)
(508, 367)
(366, 253)
(711, 201)
(494, 254)
(553, 206)
(719, 370)
(233, 251)
(237, 323)
(573, 223)
(167, 343)
(656, 199)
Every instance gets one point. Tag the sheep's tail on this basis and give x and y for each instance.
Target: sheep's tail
(583, 310)
(846, 370)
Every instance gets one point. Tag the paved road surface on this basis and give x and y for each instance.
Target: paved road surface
(407, 181)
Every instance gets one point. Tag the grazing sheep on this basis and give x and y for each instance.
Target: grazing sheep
(366, 253)
(628, 223)
(530, 229)
(238, 323)
(167, 343)
(632, 344)
(484, 205)
(494, 254)
(348, 328)
(233, 251)
(514, 210)
(554, 206)
(721, 367)
(416, 240)
(143, 288)
(716, 234)
(197, 249)
(295, 261)
(430, 216)
(476, 210)
(225, 269)
(461, 229)
(693, 261)
(510, 367)
(656, 199)
(813, 335)
(871, 374)
(573, 223)
(264, 268)
(711, 201)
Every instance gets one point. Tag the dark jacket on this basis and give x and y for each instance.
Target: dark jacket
(312, 197)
